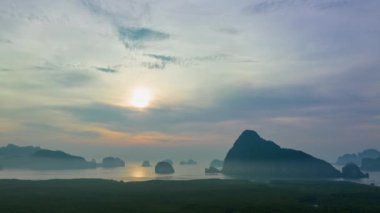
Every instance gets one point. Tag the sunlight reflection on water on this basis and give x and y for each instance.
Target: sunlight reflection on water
(135, 172)
(132, 172)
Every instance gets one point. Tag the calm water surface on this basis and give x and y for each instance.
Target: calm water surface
(135, 172)
(131, 172)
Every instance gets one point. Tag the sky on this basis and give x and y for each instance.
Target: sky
(303, 73)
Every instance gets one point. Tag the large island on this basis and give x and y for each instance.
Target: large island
(36, 158)
(254, 157)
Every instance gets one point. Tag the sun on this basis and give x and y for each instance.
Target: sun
(141, 97)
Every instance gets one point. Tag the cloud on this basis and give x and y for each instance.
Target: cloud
(5, 70)
(153, 65)
(274, 5)
(222, 58)
(215, 57)
(134, 37)
(299, 121)
(64, 75)
(228, 30)
(106, 69)
(117, 11)
(163, 58)
(160, 61)
(324, 5)
(242, 103)
(85, 134)
(119, 118)
(99, 113)
(5, 41)
(72, 79)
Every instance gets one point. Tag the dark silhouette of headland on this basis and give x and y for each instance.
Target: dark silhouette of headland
(253, 156)
(36, 158)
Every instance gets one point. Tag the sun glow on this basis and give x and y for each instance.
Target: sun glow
(141, 97)
(138, 172)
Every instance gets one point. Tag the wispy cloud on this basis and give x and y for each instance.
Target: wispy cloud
(5, 69)
(228, 30)
(216, 57)
(134, 37)
(5, 41)
(106, 69)
(119, 12)
(163, 58)
(160, 61)
(63, 75)
(274, 5)
(298, 121)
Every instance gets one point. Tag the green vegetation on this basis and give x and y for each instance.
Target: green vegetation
(93, 195)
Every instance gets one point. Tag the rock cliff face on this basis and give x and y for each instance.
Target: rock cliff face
(252, 156)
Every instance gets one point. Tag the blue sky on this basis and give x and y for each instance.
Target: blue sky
(303, 73)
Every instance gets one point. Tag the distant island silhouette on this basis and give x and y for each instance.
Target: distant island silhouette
(111, 162)
(216, 163)
(164, 167)
(352, 171)
(371, 164)
(253, 156)
(188, 162)
(36, 158)
(367, 160)
(145, 163)
(357, 157)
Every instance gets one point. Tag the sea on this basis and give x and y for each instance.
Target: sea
(133, 171)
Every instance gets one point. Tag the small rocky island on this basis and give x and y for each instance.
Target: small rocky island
(371, 164)
(212, 170)
(253, 156)
(112, 162)
(168, 161)
(352, 171)
(188, 162)
(145, 163)
(216, 163)
(164, 167)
